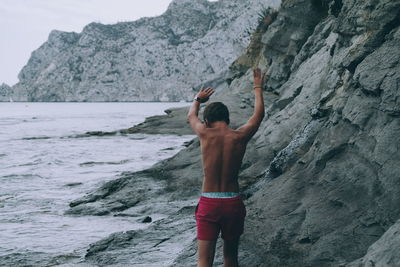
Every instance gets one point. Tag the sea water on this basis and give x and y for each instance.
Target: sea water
(44, 166)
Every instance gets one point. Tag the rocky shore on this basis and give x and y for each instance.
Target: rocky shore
(321, 177)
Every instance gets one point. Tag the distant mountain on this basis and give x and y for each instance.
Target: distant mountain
(5, 91)
(152, 59)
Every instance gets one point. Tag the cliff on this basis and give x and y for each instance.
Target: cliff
(152, 59)
(5, 92)
(321, 177)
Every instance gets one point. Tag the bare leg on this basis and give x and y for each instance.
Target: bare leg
(206, 251)
(231, 253)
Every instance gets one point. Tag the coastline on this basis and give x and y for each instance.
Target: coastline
(320, 175)
(168, 190)
(74, 179)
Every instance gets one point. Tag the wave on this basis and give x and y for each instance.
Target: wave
(36, 137)
(21, 175)
(92, 163)
(137, 138)
(73, 184)
(32, 163)
(92, 133)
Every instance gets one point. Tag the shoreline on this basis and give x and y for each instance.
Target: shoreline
(175, 181)
(30, 257)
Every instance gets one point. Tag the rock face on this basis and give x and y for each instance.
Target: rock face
(384, 252)
(321, 177)
(5, 92)
(152, 59)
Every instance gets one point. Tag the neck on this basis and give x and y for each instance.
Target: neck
(218, 124)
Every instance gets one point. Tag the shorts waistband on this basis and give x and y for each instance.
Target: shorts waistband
(220, 194)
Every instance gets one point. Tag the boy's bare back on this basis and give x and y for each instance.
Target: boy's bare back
(222, 152)
(223, 148)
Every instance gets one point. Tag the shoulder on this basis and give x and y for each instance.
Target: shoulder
(240, 135)
(203, 132)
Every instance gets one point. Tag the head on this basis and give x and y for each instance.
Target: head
(216, 111)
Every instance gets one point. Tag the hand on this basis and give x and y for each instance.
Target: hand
(204, 94)
(258, 77)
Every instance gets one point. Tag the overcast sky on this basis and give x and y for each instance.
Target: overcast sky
(26, 24)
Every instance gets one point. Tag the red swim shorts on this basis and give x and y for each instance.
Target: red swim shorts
(220, 214)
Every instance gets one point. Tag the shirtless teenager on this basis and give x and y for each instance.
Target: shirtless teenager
(220, 207)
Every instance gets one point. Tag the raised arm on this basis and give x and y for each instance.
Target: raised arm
(251, 126)
(192, 116)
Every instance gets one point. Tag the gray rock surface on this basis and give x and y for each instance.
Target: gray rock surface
(384, 252)
(321, 177)
(152, 59)
(158, 245)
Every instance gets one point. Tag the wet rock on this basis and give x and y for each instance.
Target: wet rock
(93, 133)
(169, 148)
(73, 184)
(174, 122)
(35, 258)
(157, 245)
(116, 195)
(125, 215)
(188, 143)
(147, 219)
(87, 210)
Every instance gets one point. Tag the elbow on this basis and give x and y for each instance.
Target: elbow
(261, 114)
(263, 111)
(261, 118)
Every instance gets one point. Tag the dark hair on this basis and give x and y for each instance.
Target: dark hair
(216, 111)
